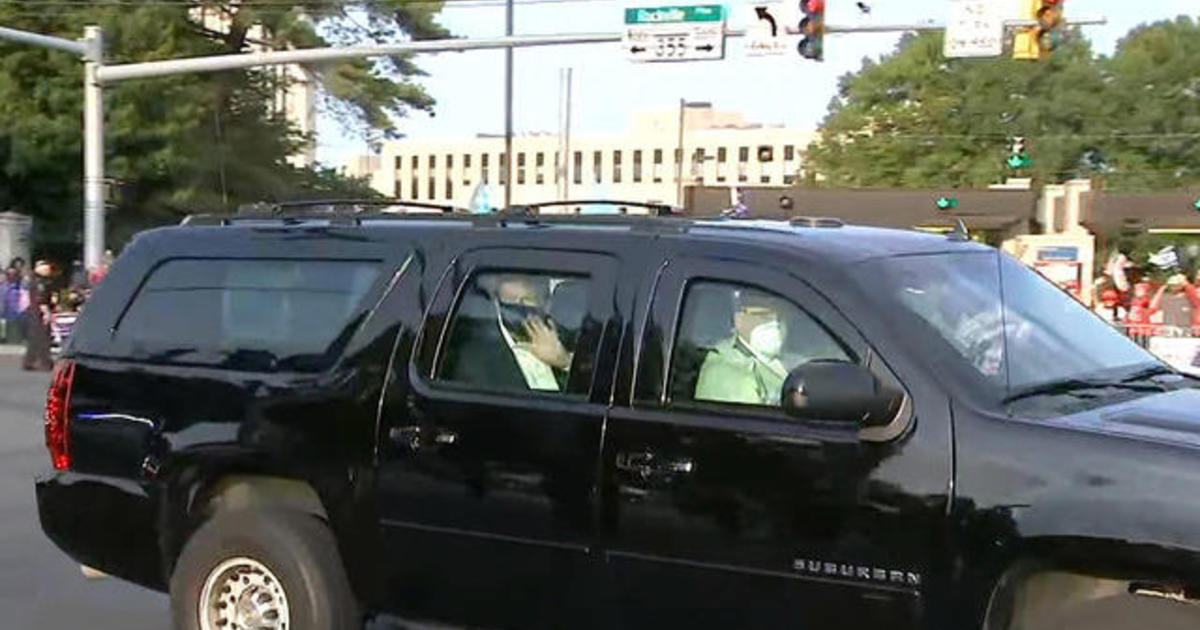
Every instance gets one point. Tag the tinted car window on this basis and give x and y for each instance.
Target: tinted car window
(516, 331)
(737, 344)
(245, 314)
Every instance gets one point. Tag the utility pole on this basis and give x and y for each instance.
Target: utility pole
(508, 106)
(564, 134)
(93, 149)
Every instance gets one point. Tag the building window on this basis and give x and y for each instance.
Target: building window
(449, 188)
(616, 174)
(637, 166)
(789, 153)
(432, 162)
(466, 160)
(722, 158)
(466, 174)
(764, 178)
(743, 158)
(698, 158)
(483, 165)
(597, 164)
(539, 164)
(449, 162)
(432, 188)
(415, 163)
(396, 192)
(577, 176)
(678, 156)
(657, 174)
(789, 179)
(766, 153)
(520, 169)
(414, 189)
(399, 162)
(503, 160)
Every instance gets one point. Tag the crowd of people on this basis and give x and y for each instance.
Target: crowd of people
(1149, 301)
(41, 302)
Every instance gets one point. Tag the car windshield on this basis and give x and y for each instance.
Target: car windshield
(1012, 331)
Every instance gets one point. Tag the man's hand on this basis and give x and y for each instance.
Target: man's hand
(545, 345)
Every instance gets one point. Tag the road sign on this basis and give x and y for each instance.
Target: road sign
(675, 33)
(771, 28)
(975, 28)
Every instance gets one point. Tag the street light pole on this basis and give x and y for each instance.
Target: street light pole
(679, 157)
(508, 106)
(93, 149)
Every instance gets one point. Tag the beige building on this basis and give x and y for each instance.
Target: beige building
(719, 149)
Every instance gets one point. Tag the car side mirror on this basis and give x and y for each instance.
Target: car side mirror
(839, 391)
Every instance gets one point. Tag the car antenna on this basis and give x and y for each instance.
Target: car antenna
(960, 232)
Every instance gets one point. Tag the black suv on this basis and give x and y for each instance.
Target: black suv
(297, 421)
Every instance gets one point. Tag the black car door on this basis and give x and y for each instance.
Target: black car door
(720, 510)
(488, 471)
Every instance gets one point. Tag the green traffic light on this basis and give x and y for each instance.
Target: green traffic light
(1197, 204)
(947, 203)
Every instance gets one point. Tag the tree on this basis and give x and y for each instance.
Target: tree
(188, 143)
(1154, 99)
(915, 119)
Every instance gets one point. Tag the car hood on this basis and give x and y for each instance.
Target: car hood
(1167, 417)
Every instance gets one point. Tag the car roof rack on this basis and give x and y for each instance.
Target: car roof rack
(655, 209)
(333, 211)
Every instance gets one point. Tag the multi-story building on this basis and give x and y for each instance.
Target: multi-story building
(719, 149)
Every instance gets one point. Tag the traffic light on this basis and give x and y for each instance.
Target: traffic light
(1032, 43)
(812, 30)
(1196, 205)
(946, 204)
(1019, 154)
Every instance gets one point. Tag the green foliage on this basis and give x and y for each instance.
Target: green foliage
(917, 119)
(189, 143)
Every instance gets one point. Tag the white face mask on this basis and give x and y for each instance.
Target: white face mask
(767, 339)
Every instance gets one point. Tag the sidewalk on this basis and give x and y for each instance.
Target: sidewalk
(11, 350)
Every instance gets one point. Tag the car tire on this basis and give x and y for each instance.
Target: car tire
(269, 568)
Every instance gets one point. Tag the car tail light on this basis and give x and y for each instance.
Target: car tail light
(58, 410)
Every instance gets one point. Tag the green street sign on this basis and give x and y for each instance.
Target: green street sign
(659, 15)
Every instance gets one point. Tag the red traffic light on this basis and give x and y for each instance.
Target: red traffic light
(812, 6)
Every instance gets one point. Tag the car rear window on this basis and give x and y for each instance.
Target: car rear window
(260, 315)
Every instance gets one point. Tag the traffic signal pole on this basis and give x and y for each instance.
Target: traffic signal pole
(97, 75)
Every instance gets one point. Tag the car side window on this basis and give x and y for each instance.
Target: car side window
(516, 330)
(243, 314)
(736, 344)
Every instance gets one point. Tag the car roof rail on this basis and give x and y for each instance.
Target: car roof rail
(654, 208)
(333, 211)
(817, 222)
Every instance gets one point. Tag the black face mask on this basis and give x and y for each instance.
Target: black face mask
(515, 315)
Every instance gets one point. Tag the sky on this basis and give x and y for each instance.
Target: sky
(609, 89)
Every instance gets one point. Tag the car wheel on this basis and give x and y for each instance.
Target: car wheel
(262, 570)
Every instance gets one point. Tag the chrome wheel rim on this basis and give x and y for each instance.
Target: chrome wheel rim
(243, 594)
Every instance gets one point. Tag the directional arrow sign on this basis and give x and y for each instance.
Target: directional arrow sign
(771, 29)
(675, 33)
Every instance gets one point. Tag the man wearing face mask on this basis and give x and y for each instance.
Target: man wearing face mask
(746, 368)
(530, 334)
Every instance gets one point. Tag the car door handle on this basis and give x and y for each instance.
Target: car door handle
(413, 437)
(646, 464)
